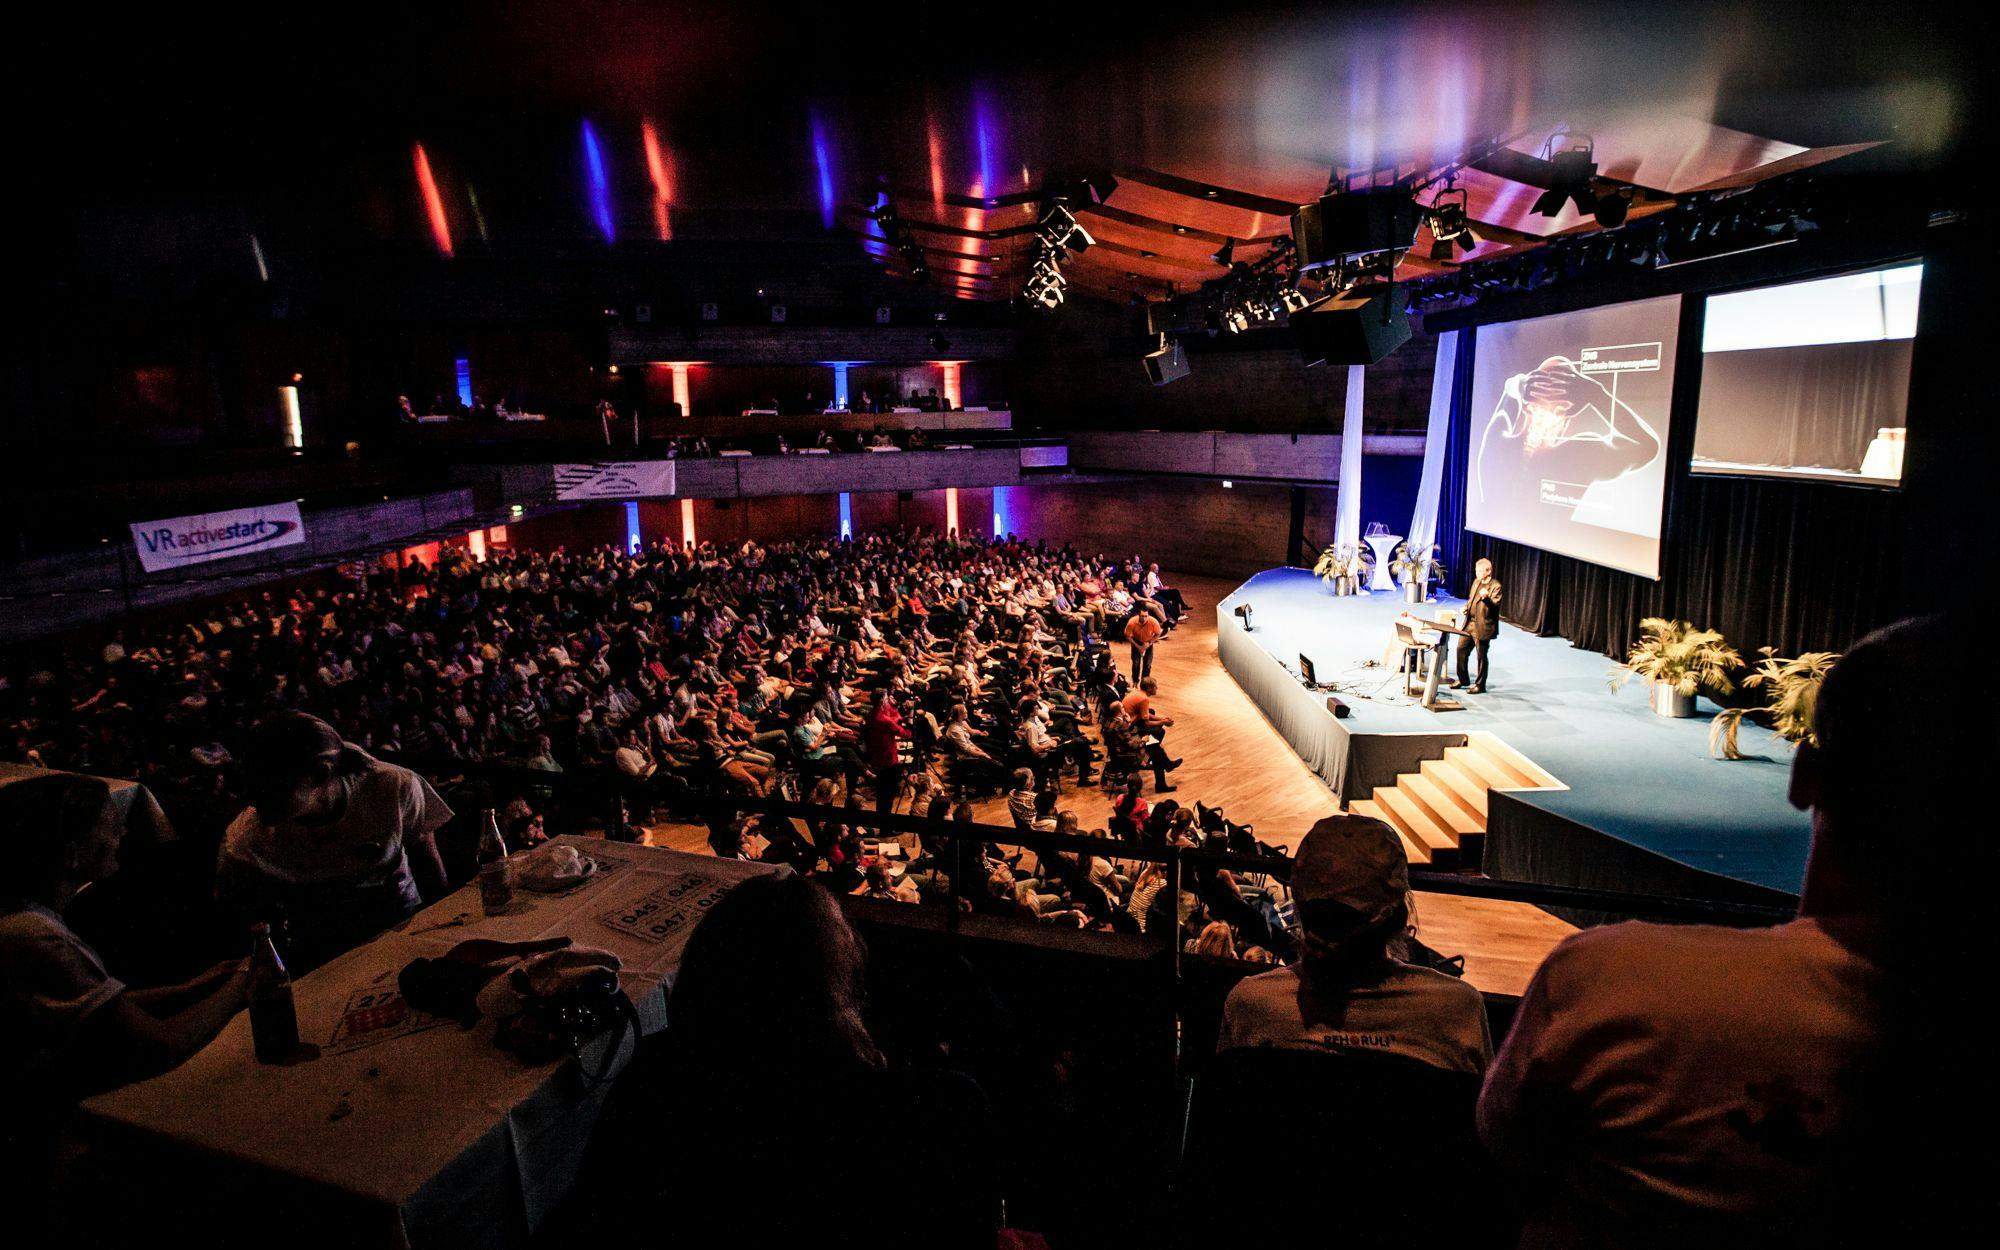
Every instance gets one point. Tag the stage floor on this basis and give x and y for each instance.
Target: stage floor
(1645, 779)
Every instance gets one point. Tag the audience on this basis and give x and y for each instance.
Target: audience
(1349, 991)
(334, 841)
(1673, 1085)
(782, 1104)
(68, 1026)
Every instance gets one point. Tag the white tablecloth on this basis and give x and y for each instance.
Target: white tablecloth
(409, 1130)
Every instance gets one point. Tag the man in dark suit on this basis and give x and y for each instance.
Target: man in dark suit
(1482, 624)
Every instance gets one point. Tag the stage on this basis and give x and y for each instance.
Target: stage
(1645, 808)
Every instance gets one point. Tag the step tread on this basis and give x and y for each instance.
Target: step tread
(1458, 784)
(1498, 758)
(1442, 806)
(1532, 774)
(1416, 853)
(1481, 768)
(1415, 820)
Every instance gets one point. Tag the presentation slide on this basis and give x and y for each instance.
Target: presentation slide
(1568, 448)
(1809, 379)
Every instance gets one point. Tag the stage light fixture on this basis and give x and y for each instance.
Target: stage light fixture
(1451, 224)
(1574, 167)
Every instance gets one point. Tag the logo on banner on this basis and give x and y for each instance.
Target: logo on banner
(614, 479)
(181, 541)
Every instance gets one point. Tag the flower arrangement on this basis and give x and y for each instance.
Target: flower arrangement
(1791, 692)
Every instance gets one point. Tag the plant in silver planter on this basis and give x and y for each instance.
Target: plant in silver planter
(1678, 662)
(1342, 567)
(1415, 567)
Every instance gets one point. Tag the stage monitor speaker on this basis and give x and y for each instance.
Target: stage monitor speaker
(1358, 326)
(1169, 364)
(1355, 223)
(1339, 709)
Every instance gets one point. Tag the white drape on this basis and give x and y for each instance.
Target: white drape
(1347, 518)
(1423, 522)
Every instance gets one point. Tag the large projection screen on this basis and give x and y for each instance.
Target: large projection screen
(1809, 379)
(1568, 447)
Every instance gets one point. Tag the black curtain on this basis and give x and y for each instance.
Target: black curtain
(1800, 566)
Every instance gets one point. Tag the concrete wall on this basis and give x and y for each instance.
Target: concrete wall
(1079, 369)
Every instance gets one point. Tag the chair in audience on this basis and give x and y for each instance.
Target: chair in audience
(1208, 818)
(1342, 1148)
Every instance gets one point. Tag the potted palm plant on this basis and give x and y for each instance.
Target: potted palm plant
(1678, 662)
(1342, 566)
(1415, 568)
(1791, 692)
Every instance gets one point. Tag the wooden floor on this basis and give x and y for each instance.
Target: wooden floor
(1236, 761)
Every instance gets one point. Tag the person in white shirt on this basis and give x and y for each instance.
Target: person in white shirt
(334, 838)
(1697, 1085)
(1351, 885)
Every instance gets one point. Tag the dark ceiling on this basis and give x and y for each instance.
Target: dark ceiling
(138, 137)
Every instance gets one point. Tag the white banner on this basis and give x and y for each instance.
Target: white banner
(615, 479)
(185, 540)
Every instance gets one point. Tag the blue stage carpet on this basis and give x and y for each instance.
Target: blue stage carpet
(1642, 778)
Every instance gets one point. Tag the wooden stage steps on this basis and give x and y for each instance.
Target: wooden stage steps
(1439, 811)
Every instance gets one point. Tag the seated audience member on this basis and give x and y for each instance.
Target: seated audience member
(1679, 1085)
(334, 840)
(68, 1028)
(1351, 885)
(783, 1092)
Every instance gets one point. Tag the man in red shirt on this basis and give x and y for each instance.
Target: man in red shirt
(884, 730)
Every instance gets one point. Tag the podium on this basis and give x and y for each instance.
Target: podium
(1432, 652)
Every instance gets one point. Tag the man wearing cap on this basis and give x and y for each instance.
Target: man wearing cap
(334, 840)
(1351, 883)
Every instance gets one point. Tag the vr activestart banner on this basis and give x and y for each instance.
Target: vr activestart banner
(181, 541)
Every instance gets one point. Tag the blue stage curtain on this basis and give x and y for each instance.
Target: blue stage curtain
(1450, 531)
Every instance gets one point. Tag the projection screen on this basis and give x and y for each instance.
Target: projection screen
(1568, 441)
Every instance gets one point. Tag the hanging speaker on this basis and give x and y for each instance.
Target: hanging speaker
(1357, 326)
(1168, 364)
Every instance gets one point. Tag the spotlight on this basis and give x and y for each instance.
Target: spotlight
(1226, 254)
(1451, 224)
(1574, 167)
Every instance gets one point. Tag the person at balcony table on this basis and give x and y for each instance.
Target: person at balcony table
(334, 839)
(68, 1028)
(769, 1057)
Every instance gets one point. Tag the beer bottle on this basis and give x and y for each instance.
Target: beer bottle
(274, 1021)
(496, 884)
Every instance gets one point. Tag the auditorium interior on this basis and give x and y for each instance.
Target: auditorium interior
(628, 622)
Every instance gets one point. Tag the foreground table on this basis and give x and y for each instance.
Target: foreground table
(409, 1130)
